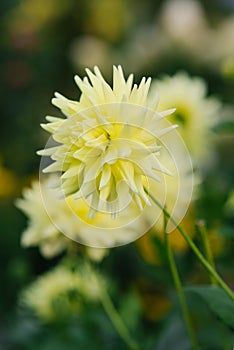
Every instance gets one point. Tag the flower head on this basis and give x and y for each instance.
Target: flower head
(109, 142)
(195, 112)
(41, 231)
(57, 224)
(59, 292)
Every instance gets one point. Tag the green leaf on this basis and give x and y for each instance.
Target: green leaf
(174, 335)
(130, 310)
(225, 126)
(227, 231)
(217, 300)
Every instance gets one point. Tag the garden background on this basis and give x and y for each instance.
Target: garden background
(44, 43)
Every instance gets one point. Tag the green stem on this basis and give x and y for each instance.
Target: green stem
(208, 252)
(179, 289)
(201, 227)
(192, 245)
(117, 321)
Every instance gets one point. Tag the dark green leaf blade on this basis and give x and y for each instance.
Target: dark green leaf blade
(226, 126)
(217, 300)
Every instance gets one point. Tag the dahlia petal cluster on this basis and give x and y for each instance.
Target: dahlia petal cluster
(109, 141)
(56, 224)
(59, 292)
(195, 114)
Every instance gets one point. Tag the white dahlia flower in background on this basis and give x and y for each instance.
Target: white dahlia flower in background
(41, 231)
(109, 142)
(57, 224)
(60, 292)
(45, 221)
(195, 112)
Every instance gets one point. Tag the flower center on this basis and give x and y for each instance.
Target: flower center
(180, 117)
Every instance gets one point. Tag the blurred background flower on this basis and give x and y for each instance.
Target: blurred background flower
(57, 295)
(58, 224)
(195, 113)
(46, 220)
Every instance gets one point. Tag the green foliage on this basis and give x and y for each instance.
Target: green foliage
(218, 301)
(130, 310)
(224, 127)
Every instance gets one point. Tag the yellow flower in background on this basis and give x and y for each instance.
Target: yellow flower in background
(218, 243)
(109, 141)
(151, 251)
(155, 301)
(108, 19)
(7, 181)
(44, 224)
(38, 12)
(56, 225)
(195, 112)
(60, 292)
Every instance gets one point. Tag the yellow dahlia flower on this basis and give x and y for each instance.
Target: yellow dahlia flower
(109, 142)
(195, 112)
(56, 224)
(46, 221)
(59, 293)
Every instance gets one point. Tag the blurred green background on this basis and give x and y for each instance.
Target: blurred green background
(44, 43)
